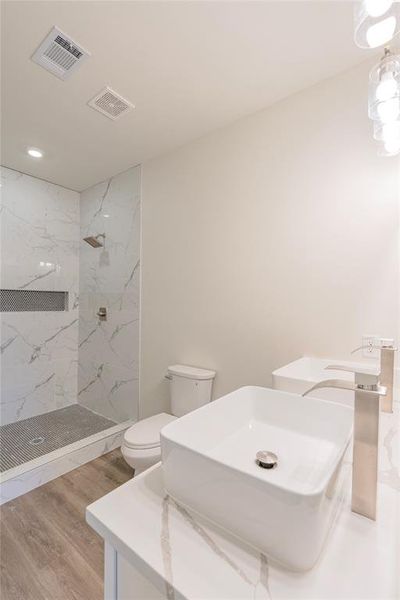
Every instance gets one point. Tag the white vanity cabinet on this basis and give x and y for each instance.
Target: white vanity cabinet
(122, 581)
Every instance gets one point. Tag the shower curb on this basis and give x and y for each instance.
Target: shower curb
(24, 478)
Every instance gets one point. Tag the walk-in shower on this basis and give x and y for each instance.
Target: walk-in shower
(69, 376)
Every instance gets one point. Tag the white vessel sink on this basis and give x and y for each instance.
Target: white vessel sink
(299, 375)
(209, 465)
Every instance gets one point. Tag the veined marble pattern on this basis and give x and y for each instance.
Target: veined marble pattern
(110, 276)
(40, 251)
(187, 557)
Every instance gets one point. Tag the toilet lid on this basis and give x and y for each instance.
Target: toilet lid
(146, 433)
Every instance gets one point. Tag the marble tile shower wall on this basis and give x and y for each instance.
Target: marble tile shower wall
(39, 251)
(108, 378)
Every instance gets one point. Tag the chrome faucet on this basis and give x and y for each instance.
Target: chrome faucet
(387, 351)
(367, 393)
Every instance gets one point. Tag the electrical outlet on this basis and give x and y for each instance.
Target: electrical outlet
(372, 343)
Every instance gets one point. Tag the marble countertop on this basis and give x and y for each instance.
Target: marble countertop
(187, 557)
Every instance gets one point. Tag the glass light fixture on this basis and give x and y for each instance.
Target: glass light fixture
(387, 87)
(377, 8)
(380, 33)
(384, 103)
(384, 89)
(389, 110)
(389, 148)
(387, 132)
(392, 146)
(376, 22)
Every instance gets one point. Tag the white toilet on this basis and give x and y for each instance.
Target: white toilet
(190, 388)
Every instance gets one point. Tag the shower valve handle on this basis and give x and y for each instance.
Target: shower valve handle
(102, 313)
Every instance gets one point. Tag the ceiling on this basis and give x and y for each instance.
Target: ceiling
(189, 67)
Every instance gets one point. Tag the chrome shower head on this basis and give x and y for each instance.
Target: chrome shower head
(94, 240)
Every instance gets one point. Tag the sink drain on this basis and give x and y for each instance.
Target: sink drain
(266, 459)
(36, 441)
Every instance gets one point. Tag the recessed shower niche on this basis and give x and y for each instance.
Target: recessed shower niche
(32, 301)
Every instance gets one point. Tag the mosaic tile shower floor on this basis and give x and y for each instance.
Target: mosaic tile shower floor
(28, 439)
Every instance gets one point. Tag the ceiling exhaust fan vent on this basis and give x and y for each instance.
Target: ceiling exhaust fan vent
(59, 54)
(110, 104)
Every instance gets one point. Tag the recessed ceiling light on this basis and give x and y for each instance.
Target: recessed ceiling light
(35, 152)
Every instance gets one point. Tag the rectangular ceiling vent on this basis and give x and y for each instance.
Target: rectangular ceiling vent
(59, 54)
(110, 104)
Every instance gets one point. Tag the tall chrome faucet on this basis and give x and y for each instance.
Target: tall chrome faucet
(387, 351)
(367, 393)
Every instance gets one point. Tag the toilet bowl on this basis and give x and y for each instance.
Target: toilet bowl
(141, 446)
(190, 388)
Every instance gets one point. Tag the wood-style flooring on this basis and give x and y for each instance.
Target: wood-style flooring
(48, 552)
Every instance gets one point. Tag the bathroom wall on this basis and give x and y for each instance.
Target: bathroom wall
(110, 277)
(269, 239)
(39, 251)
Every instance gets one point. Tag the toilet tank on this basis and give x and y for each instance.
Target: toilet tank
(190, 388)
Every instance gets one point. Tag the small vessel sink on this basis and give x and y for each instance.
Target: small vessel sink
(210, 465)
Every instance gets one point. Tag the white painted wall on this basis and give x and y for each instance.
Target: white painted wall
(272, 238)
